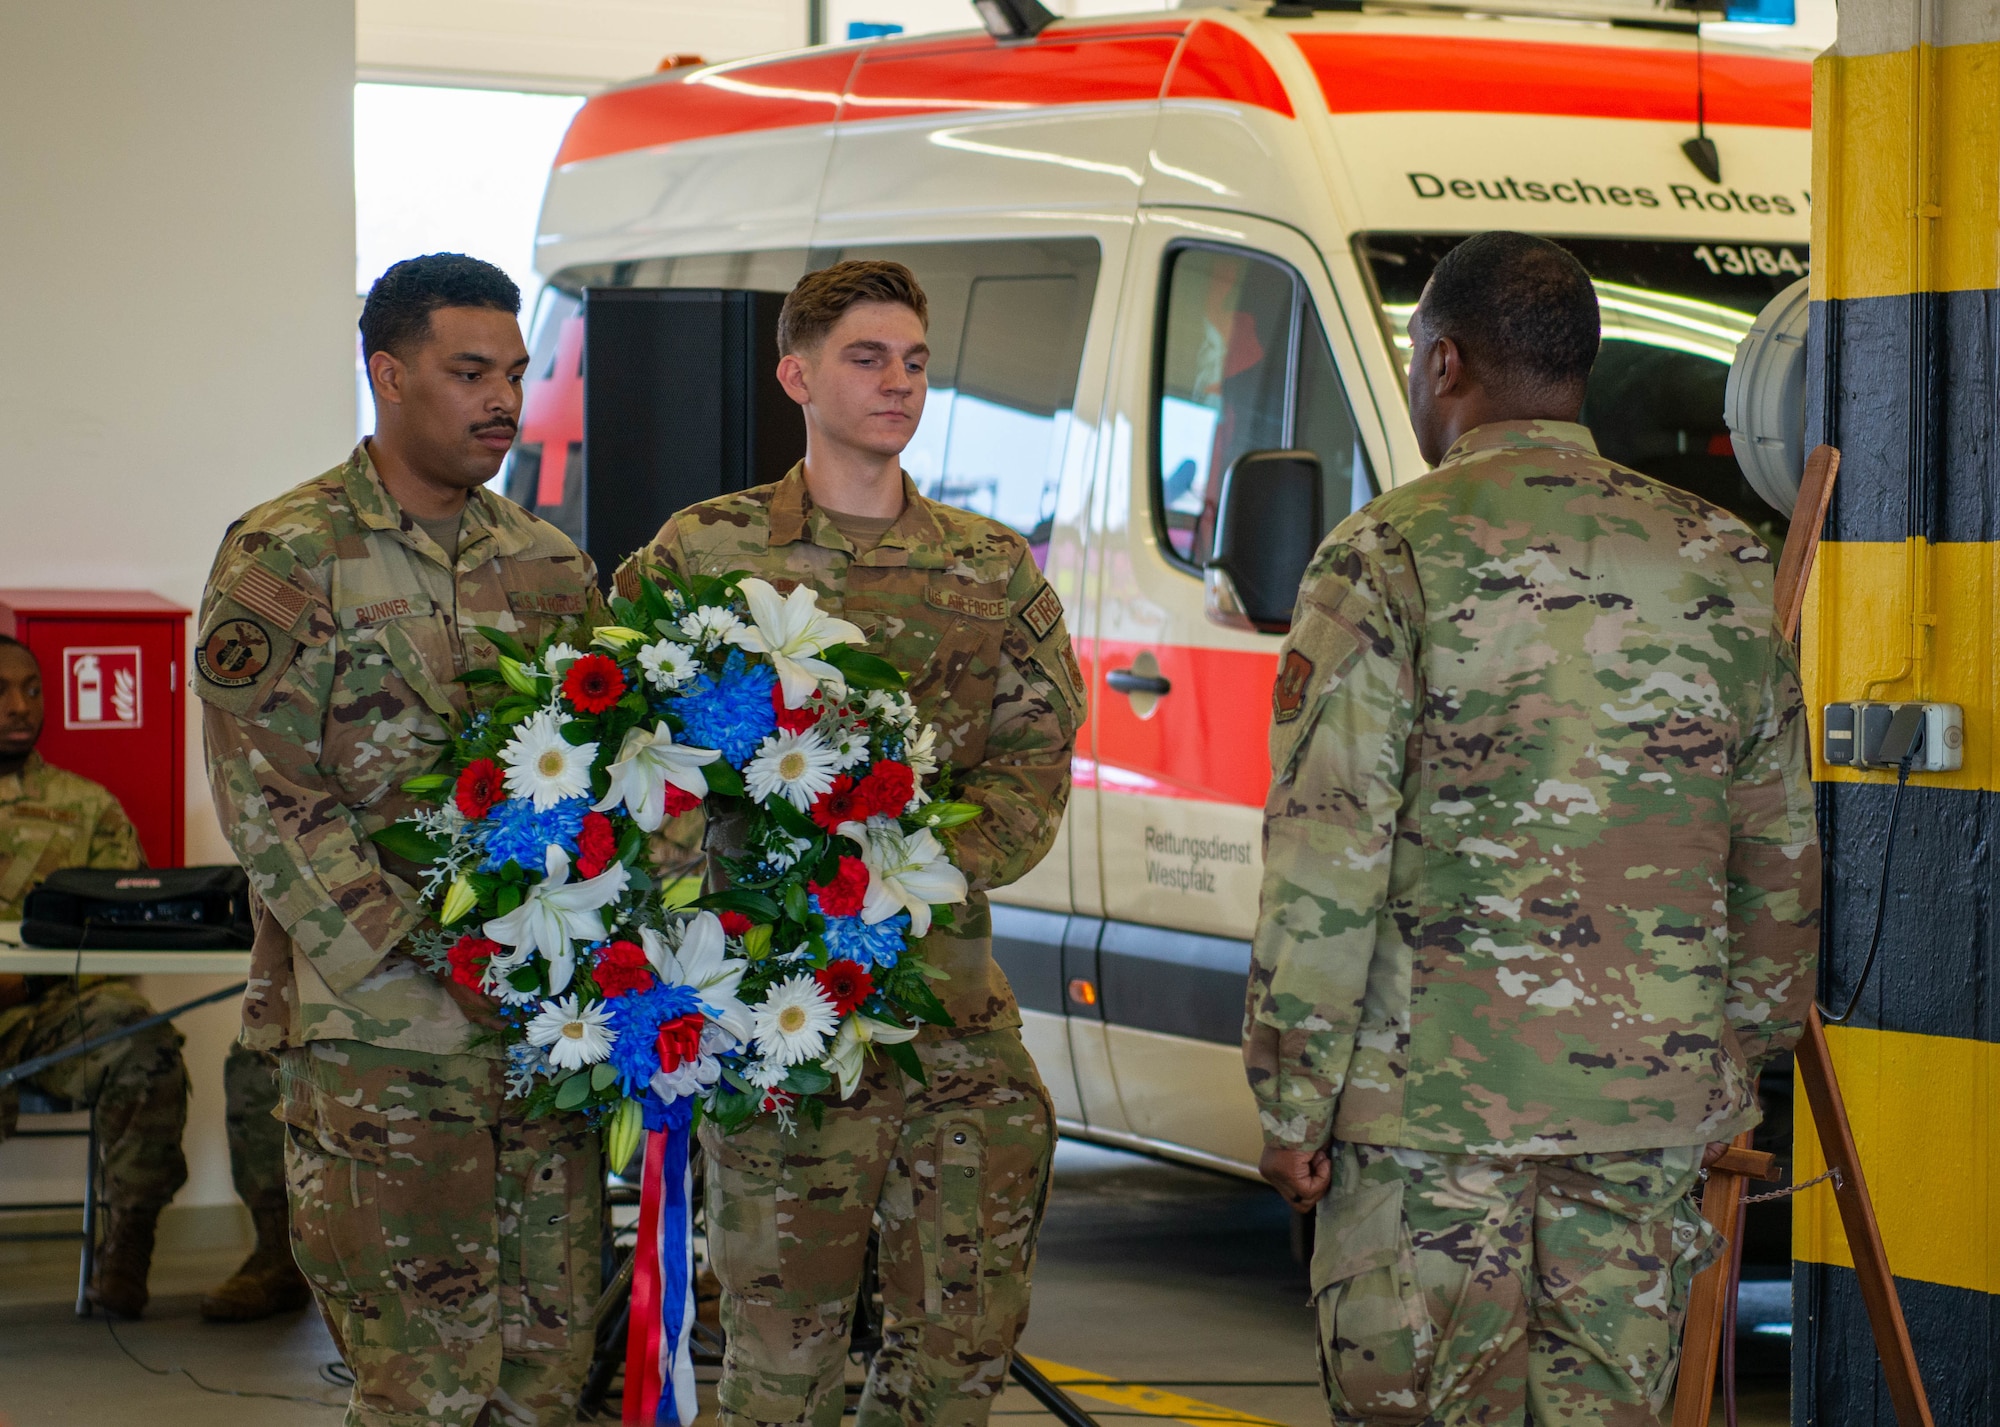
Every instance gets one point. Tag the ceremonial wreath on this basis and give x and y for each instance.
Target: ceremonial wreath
(648, 1005)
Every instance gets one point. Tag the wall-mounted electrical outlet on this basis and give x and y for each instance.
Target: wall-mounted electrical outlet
(1880, 735)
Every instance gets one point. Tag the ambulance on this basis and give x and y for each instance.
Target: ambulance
(1154, 246)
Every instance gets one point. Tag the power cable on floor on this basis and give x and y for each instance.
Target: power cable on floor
(112, 1328)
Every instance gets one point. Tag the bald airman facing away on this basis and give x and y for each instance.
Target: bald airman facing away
(1541, 885)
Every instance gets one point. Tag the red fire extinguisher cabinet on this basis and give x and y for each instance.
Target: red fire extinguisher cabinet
(113, 662)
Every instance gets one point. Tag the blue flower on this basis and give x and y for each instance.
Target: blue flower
(854, 939)
(636, 1018)
(515, 832)
(734, 713)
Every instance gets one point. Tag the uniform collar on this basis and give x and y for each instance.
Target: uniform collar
(794, 517)
(1519, 435)
(18, 787)
(486, 532)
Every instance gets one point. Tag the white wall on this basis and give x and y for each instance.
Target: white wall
(176, 313)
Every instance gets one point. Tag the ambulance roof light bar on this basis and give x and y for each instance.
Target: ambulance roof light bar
(1013, 19)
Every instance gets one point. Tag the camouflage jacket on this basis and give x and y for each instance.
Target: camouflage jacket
(52, 818)
(331, 633)
(1541, 873)
(957, 603)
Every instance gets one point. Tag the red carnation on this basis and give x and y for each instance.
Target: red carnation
(887, 789)
(594, 683)
(596, 845)
(842, 897)
(468, 956)
(837, 805)
(794, 720)
(680, 1041)
(680, 800)
(846, 983)
(480, 787)
(622, 967)
(734, 923)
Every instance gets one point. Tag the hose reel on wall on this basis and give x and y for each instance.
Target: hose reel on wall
(1764, 403)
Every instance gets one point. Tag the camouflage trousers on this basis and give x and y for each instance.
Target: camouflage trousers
(256, 1138)
(139, 1085)
(952, 1176)
(1468, 1289)
(452, 1244)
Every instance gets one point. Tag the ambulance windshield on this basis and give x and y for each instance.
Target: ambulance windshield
(1673, 313)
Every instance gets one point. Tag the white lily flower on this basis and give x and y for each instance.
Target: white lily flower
(790, 630)
(647, 762)
(907, 872)
(558, 658)
(849, 1050)
(556, 913)
(704, 966)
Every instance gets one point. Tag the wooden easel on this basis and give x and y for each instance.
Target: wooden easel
(1722, 1202)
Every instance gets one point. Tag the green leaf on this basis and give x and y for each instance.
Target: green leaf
(427, 784)
(793, 821)
(864, 670)
(922, 1002)
(481, 676)
(807, 1080)
(905, 1058)
(525, 979)
(506, 643)
(571, 1093)
(795, 903)
(602, 1075)
(753, 905)
(578, 732)
(725, 780)
(946, 815)
(507, 899)
(405, 841)
(514, 708)
(942, 915)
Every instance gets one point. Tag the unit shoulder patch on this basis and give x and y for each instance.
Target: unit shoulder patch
(959, 602)
(261, 592)
(1288, 695)
(233, 653)
(1042, 613)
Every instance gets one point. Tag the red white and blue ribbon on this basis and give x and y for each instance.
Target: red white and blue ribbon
(659, 1367)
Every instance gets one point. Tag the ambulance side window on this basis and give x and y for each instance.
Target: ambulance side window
(1243, 366)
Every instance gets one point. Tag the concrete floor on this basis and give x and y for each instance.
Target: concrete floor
(1150, 1274)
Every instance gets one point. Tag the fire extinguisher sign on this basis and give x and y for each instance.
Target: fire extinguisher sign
(101, 688)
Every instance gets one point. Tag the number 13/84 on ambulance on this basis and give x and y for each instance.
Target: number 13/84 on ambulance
(1153, 245)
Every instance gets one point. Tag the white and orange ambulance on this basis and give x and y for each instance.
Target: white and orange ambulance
(1153, 245)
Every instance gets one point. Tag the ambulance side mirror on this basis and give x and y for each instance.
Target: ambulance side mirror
(1267, 525)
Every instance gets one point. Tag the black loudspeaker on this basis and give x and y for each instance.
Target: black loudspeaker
(681, 402)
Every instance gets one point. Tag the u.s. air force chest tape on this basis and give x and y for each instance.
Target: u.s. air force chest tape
(254, 622)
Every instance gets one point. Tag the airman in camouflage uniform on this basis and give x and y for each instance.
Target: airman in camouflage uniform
(1540, 896)
(50, 819)
(452, 1245)
(953, 1173)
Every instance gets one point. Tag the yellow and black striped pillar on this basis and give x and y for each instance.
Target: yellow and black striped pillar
(1905, 380)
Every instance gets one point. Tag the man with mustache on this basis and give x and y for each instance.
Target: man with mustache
(51, 818)
(451, 1243)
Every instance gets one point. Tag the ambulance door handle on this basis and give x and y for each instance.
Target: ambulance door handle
(1129, 681)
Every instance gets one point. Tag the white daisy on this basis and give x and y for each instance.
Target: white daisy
(793, 1023)
(572, 1037)
(559, 658)
(920, 751)
(710, 625)
(796, 766)
(668, 664)
(894, 709)
(766, 1074)
(544, 766)
(849, 745)
(784, 851)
